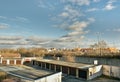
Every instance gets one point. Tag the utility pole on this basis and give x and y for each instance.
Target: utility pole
(99, 40)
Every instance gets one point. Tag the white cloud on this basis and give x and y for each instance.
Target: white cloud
(46, 4)
(76, 31)
(41, 4)
(5, 42)
(12, 41)
(78, 2)
(91, 20)
(37, 40)
(116, 30)
(21, 19)
(64, 14)
(64, 25)
(110, 5)
(69, 14)
(77, 26)
(72, 12)
(15, 19)
(72, 23)
(111, 1)
(10, 37)
(96, 0)
(3, 25)
(92, 9)
(19, 41)
(3, 17)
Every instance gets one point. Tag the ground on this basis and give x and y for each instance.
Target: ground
(99, 79)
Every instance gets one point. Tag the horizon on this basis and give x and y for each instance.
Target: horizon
(59, 24)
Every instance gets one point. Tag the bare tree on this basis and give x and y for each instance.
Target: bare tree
(100, 44)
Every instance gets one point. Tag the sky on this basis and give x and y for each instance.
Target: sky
(59, 23)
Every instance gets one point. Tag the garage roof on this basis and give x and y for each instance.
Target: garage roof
(63, 63)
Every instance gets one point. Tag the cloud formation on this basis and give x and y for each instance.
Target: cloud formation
(36, 40)
(96, 0)
(20, 41)
(47, 5)
(3, 17)
(114, 30)
(110, 5)
(3, 25)
(70, 13)
(92, 9)
(15, 19)
(77, 2)
(10, 37)
(71, 20)
(76, 32)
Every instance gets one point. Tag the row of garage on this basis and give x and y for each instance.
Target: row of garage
(79, 73)
(11, 61)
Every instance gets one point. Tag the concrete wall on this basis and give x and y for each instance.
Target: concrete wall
(94, 72)
(90, 60)
(112, 71)
(101, 61)
(52, 78)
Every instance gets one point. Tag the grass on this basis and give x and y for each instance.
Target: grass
(3, 75)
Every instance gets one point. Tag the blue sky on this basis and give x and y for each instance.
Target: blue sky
(59, 23)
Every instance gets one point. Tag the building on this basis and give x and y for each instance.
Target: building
(10, 59)
(14, 59)
(27, 74)
(79, 70)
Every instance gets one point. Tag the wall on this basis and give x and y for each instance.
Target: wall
(101, 61)
(90, 60)
(95, 72)
(112, 71)
(52, 78)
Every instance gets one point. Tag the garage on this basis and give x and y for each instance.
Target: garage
(65, 69)
(47, 65)
(53, 67)
(82, 74)
(39, 63)
(33, 62)
(4, 62)
(58, 68)
(43, 65)
(72, 71)
(12, 62)
(18, 61)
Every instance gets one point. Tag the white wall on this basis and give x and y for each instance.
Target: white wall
(52, 78)
(95, 72)
(112, 71)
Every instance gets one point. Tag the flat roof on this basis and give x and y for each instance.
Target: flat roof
(64, 63)
(28, 73)
(31, 74)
